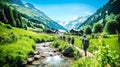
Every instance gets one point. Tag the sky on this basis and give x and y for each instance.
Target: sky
(65, 10)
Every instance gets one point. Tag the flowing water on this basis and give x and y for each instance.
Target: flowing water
(48, 57)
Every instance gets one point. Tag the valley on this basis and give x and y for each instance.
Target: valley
(29, 38)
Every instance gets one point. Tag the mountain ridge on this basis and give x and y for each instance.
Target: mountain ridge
(35, 14)
(104, 14)
(74, 22)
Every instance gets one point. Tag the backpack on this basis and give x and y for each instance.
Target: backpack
(86, 41)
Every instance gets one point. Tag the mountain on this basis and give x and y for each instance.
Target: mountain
(104, 14)
(19, 2)
(74, 23)
(28, 10)
(30, 6)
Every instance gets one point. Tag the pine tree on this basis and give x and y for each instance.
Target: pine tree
(9, 14)
(3, 17)
(20, 19)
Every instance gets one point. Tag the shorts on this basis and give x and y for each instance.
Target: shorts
(85, 47)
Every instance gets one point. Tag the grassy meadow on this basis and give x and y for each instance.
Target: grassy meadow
(104, 47)
(16, 44)
(106, 51)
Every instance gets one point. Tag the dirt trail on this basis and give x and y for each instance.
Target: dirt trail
(82, 51)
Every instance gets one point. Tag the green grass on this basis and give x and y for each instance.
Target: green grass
(86, 62)
(16, 44)
(105, 48)
(61, 45)
(106, 51)
(113, 43)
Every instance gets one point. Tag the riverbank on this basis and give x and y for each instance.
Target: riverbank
(48, 57)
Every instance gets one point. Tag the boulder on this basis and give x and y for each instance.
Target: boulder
(68, 52)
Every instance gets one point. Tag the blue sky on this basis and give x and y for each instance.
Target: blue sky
(65, 10)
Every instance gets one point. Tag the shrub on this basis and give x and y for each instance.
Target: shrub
(88, 30)
(111, 27)
(106, 56)
(97, 28)
(105, 36)
(118, 22)
(61, 45)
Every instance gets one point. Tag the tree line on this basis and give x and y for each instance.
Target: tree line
(111, 27)
(10, 16)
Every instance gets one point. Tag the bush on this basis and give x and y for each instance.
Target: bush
(105, 36)
(61, 45)
(106, 56)
(88, 30)
(118, 22)
(111, 27)
(97, 28)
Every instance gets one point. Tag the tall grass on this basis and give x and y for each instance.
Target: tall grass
(105, 50)
(16, 44)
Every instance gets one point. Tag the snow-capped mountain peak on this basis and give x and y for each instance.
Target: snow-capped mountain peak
(73, 23)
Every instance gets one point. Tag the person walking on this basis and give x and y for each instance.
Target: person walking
(72, 41)
(69, 39)
(85, 43)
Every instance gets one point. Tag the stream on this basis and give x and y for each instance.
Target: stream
(47, 56)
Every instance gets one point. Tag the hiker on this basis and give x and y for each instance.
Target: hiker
(64, 38)
(72, 41)
(69, 39)
(85, 42)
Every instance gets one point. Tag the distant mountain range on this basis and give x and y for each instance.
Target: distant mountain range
(73, 23)
(104, 14)
(28, 10)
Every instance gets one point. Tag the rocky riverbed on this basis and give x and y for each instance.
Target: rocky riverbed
(47, 56)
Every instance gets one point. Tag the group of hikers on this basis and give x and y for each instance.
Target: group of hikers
(71, 40)
(85, 42)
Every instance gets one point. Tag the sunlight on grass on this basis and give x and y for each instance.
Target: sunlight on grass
(16, 44)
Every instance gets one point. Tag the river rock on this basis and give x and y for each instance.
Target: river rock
(30, 60)
(43, 56)
(37, 57)
(36, 52)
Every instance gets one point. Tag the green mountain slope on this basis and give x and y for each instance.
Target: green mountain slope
(30, 11)
(105, 14)
(9, 15)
